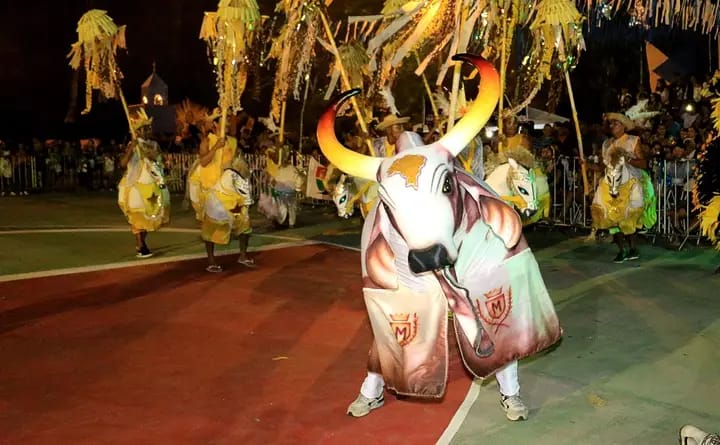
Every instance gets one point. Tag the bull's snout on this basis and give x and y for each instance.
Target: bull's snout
(527, 213)
(433, 258)
(613, 195)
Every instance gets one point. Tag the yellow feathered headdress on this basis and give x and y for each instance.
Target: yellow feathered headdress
(140, 119)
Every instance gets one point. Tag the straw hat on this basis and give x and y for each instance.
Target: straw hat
(626, 121)
(391, 120)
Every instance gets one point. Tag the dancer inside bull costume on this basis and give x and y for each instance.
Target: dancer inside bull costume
(438, 239)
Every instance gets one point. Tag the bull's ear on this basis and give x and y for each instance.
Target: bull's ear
(502, 219)
(513, 163)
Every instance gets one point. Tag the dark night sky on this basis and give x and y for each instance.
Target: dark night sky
(35, 37)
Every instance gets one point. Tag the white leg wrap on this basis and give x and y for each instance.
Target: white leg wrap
(372, 386)
(508, 380)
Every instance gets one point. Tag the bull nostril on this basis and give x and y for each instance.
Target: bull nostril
(433, 258)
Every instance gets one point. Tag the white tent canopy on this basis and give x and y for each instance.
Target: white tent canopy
(541, 118)
(538, 117)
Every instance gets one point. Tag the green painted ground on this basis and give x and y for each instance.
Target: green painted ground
(641, 351)
(111, 240)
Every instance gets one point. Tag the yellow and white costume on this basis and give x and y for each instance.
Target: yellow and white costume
(202, 179)
(225, 212)
(287, 180)
(634, 206)
(142, 194)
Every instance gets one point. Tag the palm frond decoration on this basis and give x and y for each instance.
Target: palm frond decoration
(95, 50)
(229, 32)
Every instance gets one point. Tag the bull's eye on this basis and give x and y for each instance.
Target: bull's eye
(447, 186)
(343, 199)
(523, 191)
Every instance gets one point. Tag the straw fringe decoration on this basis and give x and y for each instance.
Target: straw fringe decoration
(294, 49)
(98, 40)
(229, 33)
(691, 15)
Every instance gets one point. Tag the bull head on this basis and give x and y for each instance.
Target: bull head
(418, 187)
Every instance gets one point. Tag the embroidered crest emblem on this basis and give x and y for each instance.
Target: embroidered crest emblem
(404, 326)
(497, 307)
(409, 168)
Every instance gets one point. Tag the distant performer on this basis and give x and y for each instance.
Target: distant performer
(142, 194)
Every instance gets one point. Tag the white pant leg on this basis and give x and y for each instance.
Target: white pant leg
(372, 386)
(507, 378)
(292, 211)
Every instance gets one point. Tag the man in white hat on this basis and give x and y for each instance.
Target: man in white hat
(393, 126)
(619, 126)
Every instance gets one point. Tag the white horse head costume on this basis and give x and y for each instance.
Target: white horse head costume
(616, 172)
(233, 180)
(349, 191)
(513, 179)
(419, 187)
(342, 195)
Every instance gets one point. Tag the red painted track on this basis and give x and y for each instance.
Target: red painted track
(171, 354)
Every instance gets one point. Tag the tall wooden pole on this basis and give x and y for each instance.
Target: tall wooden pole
(302, 113)
(346, 81)
(428, 90)
(281, 136)
(576, 120)
(461, 16)
(503, 55)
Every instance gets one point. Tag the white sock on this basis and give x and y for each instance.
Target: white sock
(372, 386)
(507, 378)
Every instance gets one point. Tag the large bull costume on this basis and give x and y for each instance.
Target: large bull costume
(438, 239)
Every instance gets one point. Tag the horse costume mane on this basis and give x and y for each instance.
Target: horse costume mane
(523, 157)
(615, 154)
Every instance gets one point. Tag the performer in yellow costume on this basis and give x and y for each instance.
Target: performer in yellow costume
(215, 155)
(226, 212)
(142, 194)
(511, 139)
(625, 199)
(285, 182)
(220, 194)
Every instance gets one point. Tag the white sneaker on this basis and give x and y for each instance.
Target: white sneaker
(514, 407)
(692, 435)
(363, 405)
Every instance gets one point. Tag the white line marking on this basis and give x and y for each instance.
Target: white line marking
(460, 414)
(114, 229)
(356, 249)
(143, 262)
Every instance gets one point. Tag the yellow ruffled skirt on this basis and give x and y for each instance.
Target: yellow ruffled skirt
(146, 206)
(224, 217)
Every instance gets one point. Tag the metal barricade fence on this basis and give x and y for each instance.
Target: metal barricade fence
(19, 175)
(570, 207)
(177, 166)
